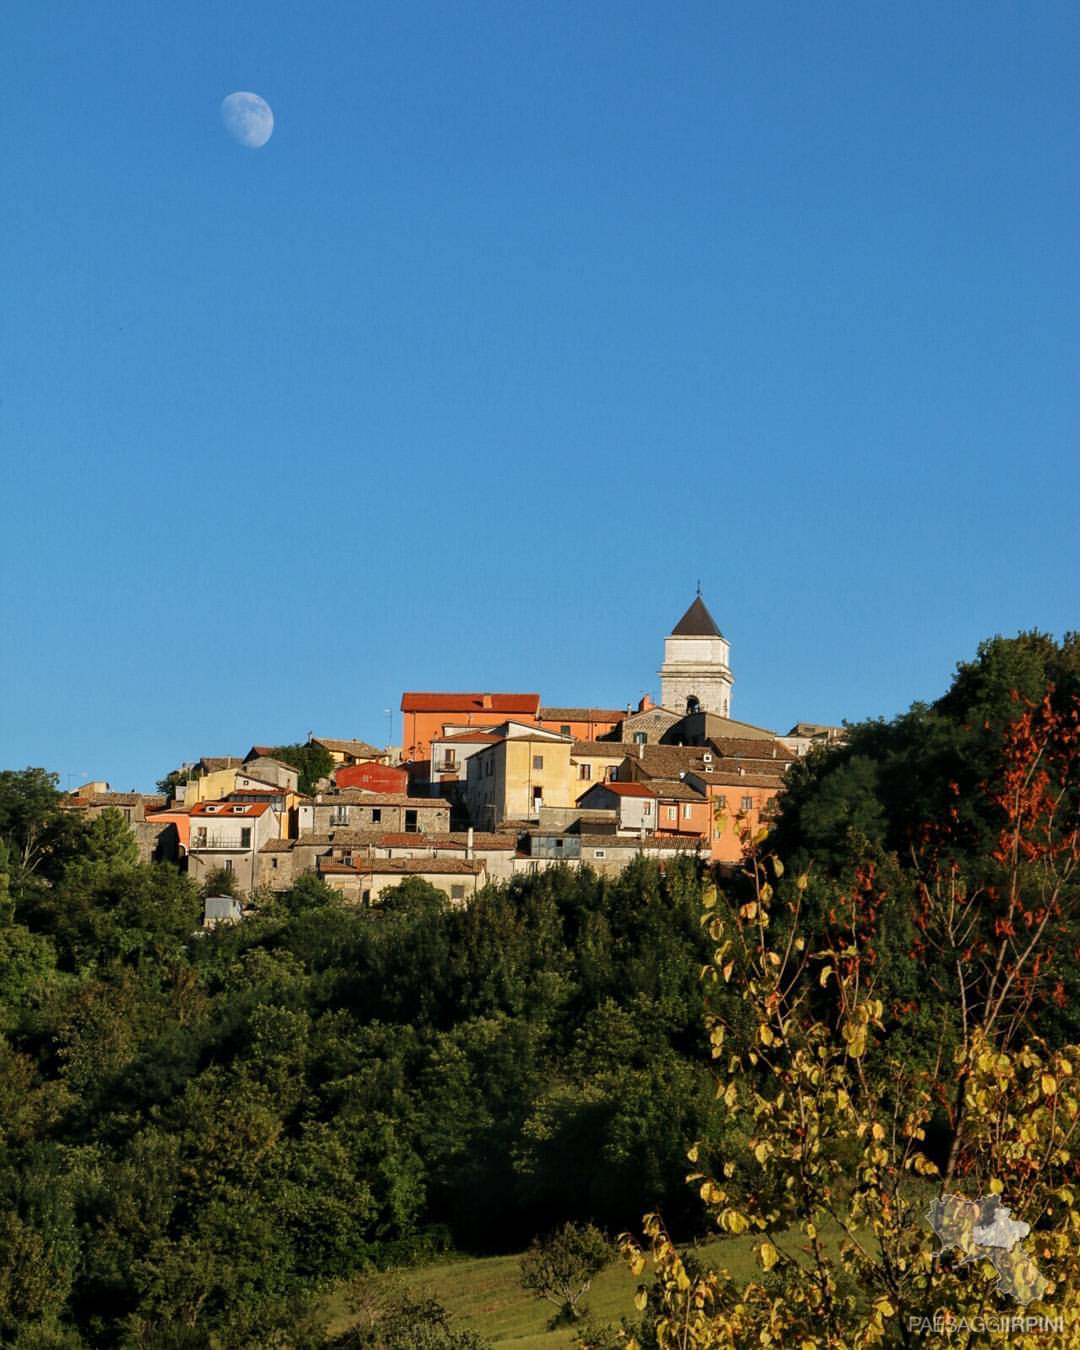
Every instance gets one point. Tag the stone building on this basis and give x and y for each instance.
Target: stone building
(696, 674)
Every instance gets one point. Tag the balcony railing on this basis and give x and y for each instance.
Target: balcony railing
(232, 843)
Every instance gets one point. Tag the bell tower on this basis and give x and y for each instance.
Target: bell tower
(696, 674)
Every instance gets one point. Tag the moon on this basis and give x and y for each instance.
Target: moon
(248, 119)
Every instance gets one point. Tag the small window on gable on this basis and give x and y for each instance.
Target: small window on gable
(564, 731)
(640, 738)
(585, 771)
(538, 761)
(457, 892)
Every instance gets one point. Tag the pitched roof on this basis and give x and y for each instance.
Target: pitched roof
(624, 789)
(670, 789)
(212, 763)
(470, 703)
(361, 749)
(271, 759)
(608, 749)
(229, 810)
(278, 846)
(696, 622)
(468, 738)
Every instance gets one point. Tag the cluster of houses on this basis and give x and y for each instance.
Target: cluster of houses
(485, 786)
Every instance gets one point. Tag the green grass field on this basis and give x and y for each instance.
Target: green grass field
(485, 1294)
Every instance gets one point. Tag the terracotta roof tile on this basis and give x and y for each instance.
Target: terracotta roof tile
(470, 703)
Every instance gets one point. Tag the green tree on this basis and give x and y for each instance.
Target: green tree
(313, 761)
(561, 1267)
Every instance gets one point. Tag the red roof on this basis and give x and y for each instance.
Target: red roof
(628, 789)
(471, 703)
(229, 809)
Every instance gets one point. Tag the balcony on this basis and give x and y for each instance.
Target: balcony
(229, 843)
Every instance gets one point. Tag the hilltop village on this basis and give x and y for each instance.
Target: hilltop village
(483, 786)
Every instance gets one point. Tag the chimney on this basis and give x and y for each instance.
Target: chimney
(645, 704)
(469, 845)
(486, 701)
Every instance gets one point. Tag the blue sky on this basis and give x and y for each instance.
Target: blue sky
(526, 318)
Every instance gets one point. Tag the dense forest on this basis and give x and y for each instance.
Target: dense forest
(201, 1131)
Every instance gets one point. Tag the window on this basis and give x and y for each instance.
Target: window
(410, 822)
(686, 811)
(450, 757)
(490, 768)
(245, 837)
(612, 773)
(646, 808)
(673, 813)
(226, 866)
(538, 761)
(599, 853)
(564, 731)
(273, 863)
(585, 771)
(559, 843)
(339, 815)
(746, 804)
(376, 815)
(721, 802)
(457, 892)
(640, 737)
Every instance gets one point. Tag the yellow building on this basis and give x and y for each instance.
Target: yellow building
(595, 762)
(516, 776)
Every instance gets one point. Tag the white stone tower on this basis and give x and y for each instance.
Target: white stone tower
(696, 674)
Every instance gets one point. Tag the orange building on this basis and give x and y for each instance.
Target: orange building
(423, 716)
(584, 724)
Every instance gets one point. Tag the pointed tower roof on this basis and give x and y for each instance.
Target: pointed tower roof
(696, 622)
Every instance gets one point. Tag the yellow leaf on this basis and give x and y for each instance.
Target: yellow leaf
(884, 1307)
(761, 1152)
(641, 1298)
(777, 867)
(877, 1130)
(768, 1255)
(802, 882)
(1049, 1084)
(726, 972)
(996, 1186)
(824, 977)
(692, 1153)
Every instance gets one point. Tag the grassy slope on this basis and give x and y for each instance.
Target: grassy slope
(484, 1294)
